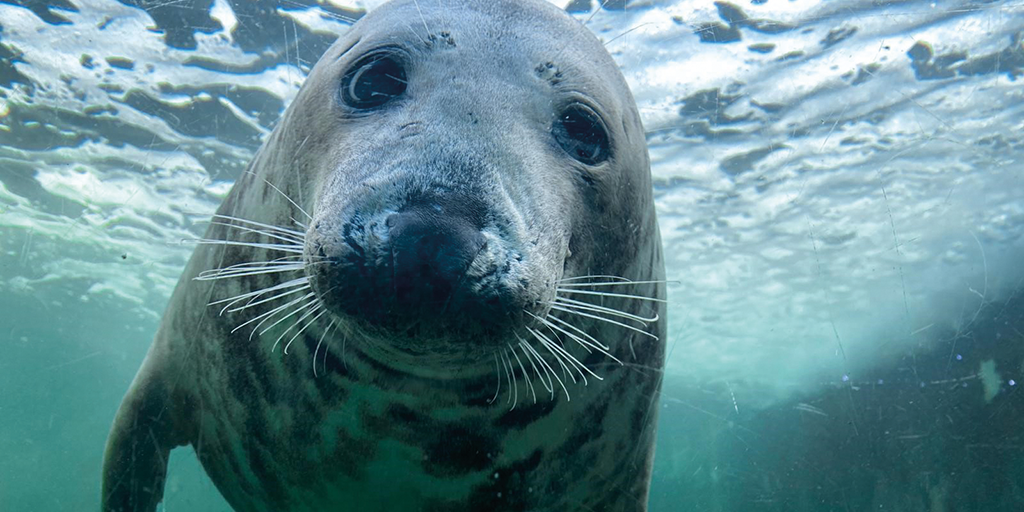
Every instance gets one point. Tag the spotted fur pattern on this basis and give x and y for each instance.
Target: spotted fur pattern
(361, 435)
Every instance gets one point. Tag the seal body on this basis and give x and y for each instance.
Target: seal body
(439, 286)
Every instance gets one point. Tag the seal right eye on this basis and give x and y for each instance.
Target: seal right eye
(373, 81)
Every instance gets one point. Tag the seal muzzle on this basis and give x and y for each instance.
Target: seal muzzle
(423, 271)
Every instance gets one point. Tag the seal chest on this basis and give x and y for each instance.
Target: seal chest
(438, 287)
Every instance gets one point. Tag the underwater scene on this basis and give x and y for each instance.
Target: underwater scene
(839, 188)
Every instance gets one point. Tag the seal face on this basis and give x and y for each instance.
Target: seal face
(451, 237)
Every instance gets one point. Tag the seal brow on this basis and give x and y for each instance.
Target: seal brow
(346, 50)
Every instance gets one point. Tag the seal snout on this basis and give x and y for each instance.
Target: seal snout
(431, 253)
(432, 268)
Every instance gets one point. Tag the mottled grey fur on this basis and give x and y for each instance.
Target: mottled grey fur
(382, 426)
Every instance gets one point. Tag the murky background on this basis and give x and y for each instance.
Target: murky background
(840, 189)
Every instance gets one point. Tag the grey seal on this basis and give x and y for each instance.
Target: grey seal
(438, 287)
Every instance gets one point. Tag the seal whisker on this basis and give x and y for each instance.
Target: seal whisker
(238, 298)
(317, 351)
(413, 31)
(501, 358)
(264, 301)
(294, 312)
(526, 377)
(515, 380)
(239, 273)
(297, 234)
(498, 373)
(249, 267)
(603, 319)
(263, 317)
(597, 344)
(606, 43)
(510, 373)
(549, 326)
(579, 366)
(311, 322)
(297, 249)
(560, 354)
(584, 343)
(225, 273)
(562, 284)
(549, 345)
(547, 368)
(595, 276)
(608, 294)
(422, 19)
(265, 232)
(283, 260)
(309, 308)
(344, 353)
(296, 205)
(548, 384)
(254, 265)
(578, 304)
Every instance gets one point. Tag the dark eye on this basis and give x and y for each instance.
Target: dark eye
(373, 81)
(580, 132)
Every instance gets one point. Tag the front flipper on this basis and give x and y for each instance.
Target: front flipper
(145, 430)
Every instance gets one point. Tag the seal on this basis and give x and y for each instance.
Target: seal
(438, 287)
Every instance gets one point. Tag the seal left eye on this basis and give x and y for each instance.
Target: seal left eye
(373, 81)
(580, 132)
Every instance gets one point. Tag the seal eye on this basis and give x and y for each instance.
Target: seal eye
(580, 132)
(373, 81)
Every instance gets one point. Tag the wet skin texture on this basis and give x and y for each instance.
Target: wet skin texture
(456, 163)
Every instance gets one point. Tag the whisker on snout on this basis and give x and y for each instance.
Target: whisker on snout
(606, 294)
(569, 318)
(277, 298)
(293, 307)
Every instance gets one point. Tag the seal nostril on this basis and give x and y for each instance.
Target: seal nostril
(432, 248)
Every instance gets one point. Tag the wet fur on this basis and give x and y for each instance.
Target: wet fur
(374, 430)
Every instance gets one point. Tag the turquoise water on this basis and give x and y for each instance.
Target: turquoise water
(840, 189)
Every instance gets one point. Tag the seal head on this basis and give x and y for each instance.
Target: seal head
(474, 160)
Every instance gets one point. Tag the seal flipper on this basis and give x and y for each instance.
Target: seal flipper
(145, 430)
